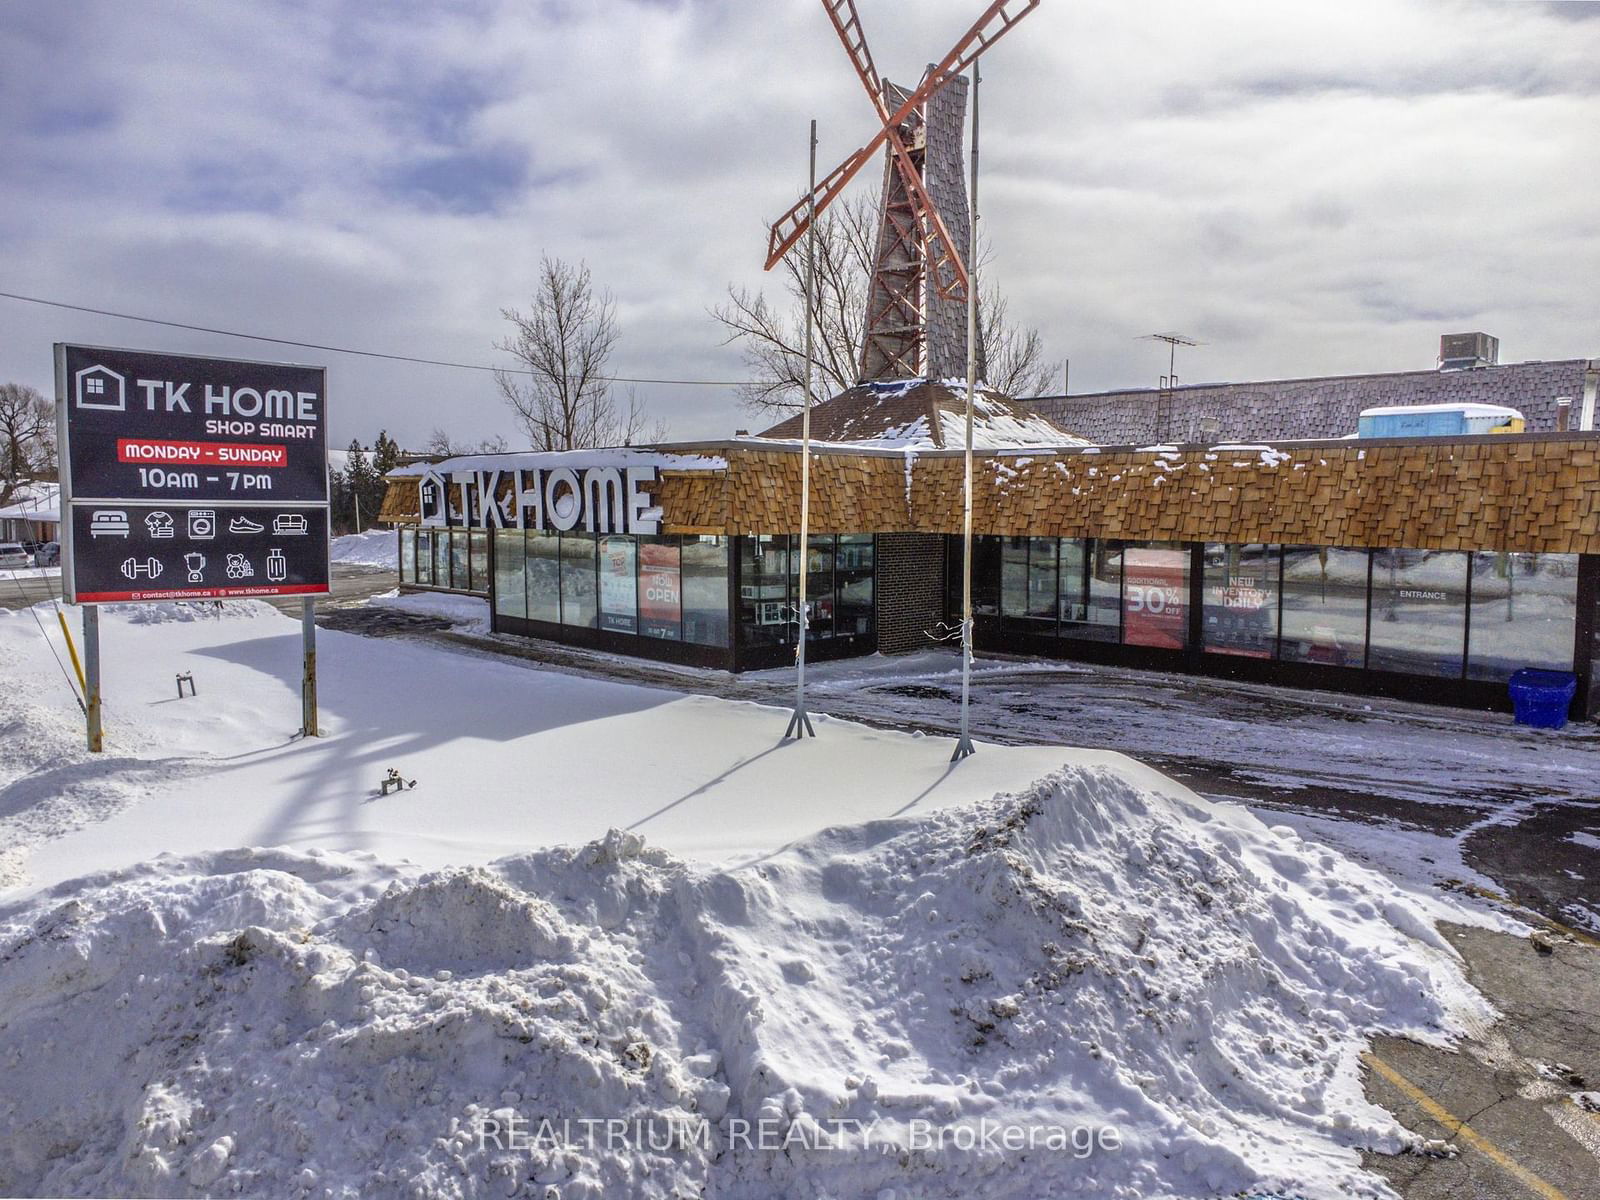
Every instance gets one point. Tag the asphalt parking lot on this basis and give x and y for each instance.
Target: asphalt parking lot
(1503, 1102)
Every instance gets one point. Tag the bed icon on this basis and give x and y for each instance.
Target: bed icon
(108, 522)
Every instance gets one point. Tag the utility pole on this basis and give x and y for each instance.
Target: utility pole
(964, 747)
(800, 722)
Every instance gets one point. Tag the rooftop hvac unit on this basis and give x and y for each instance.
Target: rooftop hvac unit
(1460, 351)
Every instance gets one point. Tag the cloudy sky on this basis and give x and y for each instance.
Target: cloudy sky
(1307, 188)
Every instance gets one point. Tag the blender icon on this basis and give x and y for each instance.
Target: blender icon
(196, 562)
(277, 566)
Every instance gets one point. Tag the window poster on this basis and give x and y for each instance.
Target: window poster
(660, 590)
(1155, 594)
(619, 590)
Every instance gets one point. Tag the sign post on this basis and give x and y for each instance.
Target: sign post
(91, 658)
(308, 682)
(187, 478)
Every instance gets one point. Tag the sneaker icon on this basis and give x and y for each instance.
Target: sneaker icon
(244, 525)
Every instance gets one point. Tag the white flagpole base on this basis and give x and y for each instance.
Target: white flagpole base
(798, 721)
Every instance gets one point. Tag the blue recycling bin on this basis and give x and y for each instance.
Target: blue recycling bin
(1541, 698)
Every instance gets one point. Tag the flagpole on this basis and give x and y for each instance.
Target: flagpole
(964, 746)
(800, 721)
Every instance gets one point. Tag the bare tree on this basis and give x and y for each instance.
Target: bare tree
(27, 437)
(560, 392)
(773, 338)
(443, 445)
(1015, 356)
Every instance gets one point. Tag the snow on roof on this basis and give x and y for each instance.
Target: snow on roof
(920, 414)
(622, 456)
(1466, 409)
(34, 502)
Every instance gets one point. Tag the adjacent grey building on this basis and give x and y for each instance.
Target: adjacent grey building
(1325, 407)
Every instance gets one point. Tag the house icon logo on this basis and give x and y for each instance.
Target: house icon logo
(432, 495)
(101, 387)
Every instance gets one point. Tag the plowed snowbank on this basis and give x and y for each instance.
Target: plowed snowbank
(1103, 952)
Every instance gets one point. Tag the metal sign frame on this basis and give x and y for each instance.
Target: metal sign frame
(206, 506)
(252, 578)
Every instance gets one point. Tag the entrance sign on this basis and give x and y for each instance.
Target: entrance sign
(187, 478)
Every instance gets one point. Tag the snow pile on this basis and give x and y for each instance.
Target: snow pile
(1103, 952)
(470, 613)
(374, 548)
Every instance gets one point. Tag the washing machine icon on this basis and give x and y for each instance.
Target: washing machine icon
(202, 524)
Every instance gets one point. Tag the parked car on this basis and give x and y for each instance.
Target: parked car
(47, 555)
(13, 557)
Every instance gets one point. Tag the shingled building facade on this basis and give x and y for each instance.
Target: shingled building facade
(1429, 568)
(1325, 407)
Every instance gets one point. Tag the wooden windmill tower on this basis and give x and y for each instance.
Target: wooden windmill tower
(916, 326)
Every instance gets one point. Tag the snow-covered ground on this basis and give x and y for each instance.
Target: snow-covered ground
(470, 614)
(1413, 753)
(1041, 971)
(374, 548)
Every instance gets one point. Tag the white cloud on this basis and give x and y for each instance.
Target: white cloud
(1306, 188)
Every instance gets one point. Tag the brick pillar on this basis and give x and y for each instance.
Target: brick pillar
(909, 589)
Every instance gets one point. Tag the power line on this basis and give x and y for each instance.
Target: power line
(428, 362)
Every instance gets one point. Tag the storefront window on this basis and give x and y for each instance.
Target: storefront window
(619, 584)
(479, 540)
(424, 576)
(1524, 613)
(854, 567)
(1028, 593)
(987, 554)
(1155, 595)
(441, 558)
(578, 592)
(764, 617)
(705, 590)
(544, 577)
(1324, 606)
(1419, 612)
(408, 556)
(1014, 579)
(510, 590)
(1042, 556)
(819, 586)
(1241, 600)
(660, 588)
(460, 573)
(1090, 590)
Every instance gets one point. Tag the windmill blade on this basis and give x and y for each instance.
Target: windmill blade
(847, 24)
(947, 268)
(996, 21)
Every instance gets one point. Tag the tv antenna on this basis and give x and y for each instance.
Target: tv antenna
(1173, 341)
